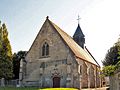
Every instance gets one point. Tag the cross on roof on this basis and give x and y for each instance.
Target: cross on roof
(78, 19)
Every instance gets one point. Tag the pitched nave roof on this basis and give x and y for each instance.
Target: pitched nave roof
(75, 48)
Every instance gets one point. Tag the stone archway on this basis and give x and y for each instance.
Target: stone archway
(56, 82)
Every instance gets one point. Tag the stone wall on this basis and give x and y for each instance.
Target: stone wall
(115, 81)
(40, 70)
(84, 76)
(89, 77)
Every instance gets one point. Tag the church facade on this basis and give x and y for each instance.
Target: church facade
(57, 60)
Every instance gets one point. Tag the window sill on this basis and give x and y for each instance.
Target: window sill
(44, 57)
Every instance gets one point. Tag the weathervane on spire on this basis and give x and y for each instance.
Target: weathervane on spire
(78, 19)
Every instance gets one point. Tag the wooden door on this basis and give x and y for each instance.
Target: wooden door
(56, 82)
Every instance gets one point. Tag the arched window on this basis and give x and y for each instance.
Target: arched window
(45, 49)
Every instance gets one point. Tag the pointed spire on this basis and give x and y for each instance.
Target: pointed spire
(79, 32)
(78, 36)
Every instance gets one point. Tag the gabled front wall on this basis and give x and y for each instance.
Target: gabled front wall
(40, 70)
(61, 62)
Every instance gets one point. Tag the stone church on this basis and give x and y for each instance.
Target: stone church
(55, 59)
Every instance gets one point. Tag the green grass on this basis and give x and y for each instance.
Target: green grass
(30, 88)
(20, 88)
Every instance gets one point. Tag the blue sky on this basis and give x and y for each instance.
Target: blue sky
(100, 21)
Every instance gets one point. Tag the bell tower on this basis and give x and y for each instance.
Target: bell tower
(78, 36)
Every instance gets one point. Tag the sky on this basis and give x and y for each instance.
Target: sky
(100, 21)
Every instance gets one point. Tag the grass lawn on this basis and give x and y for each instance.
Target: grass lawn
(14, 88)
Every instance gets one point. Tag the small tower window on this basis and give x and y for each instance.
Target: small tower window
(45, 49)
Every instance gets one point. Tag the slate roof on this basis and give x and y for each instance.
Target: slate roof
(79, 32)
(75, 48)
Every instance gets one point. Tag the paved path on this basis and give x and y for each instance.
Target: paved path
(103, 88)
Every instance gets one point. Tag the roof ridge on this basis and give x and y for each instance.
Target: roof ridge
(91, 55)
(60, 29)
(76, 49)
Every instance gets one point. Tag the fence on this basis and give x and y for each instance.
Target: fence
(4, 82)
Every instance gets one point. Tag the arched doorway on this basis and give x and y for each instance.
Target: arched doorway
(56, 82)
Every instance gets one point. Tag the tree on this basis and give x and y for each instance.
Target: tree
(0, 36)
(118, 45)
(112, 60)
(108, 70)
(5, 54)
(113, 55)
(16, 62)
(6, 43)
